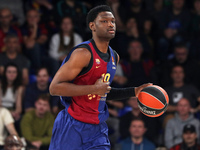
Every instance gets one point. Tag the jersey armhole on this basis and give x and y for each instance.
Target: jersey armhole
(116, 57)
(86, 69)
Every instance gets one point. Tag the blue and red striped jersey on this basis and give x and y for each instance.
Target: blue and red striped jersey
(91, 108)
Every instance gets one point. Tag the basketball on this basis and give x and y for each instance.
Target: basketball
(153, 101)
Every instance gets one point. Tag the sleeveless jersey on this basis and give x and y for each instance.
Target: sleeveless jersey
(91, 108)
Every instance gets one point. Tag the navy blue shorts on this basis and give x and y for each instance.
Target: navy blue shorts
(71, 134)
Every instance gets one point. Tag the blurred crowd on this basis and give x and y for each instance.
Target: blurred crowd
(158, 41)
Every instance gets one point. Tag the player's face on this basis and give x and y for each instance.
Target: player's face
(11, 73)
(183, 107)
(177, 74)
(42, 106)
(104, 25)
(137, 129)
(189, 137)
(43, 77)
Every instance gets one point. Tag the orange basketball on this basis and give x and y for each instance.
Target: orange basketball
(153, 101)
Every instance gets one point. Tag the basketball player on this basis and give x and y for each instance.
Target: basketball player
(83, 82)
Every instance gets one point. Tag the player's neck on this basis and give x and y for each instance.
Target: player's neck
(137, 140)
(102, 45)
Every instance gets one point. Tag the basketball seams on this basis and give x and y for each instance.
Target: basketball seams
(152, 107)
(154, 97)
(163, 92)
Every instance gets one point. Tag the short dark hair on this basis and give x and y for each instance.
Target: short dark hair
(10, 36)
(44, 97)
(93, 13)
(38, 70)
(180, 45)
(138, 119)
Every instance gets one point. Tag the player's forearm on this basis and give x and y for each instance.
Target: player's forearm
(120, 93)
(70, 89)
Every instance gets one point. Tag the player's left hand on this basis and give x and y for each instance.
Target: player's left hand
(139, 88)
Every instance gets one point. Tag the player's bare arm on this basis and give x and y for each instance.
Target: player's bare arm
(60, 85)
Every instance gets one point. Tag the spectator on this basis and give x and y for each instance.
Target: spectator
(196, 18)
(44, 7)
(16, 7)
(189, 139)
(13, 142)
(41, 86)
(137, 140)
(12, 56)
(125, 121)
(122, 40)
(37, 124)
(7, 123)
(136, 62)
(179, 90)
(12, 90)
(176, 17)
(113, 121)
(119, 79)
(174, 127)
(35, 38)
(76, 10)
(191, 68)
(62, 42)
(6, 27)
(135, 9)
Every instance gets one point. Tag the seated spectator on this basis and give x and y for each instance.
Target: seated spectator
(125, 121)
(41, 86)
(76, 10)
(135, 8)
(136, 70)
(121, 41)
(37, 124)
(44, 7)
(196, 18)
(137, 140)
(191, 68)
(7, 124)
(179, 90)
(190, 139)
(11, 91)
(176, 16)
(13, 142)
(16, 7)
(173, 24)
(119, 79)
(12, 56)
(6, 27)
(113, 121)
(174, 127)
(62, 42)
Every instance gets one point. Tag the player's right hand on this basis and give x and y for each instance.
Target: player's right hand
(102, 87)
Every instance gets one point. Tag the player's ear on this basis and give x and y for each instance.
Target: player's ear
(92, 26)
